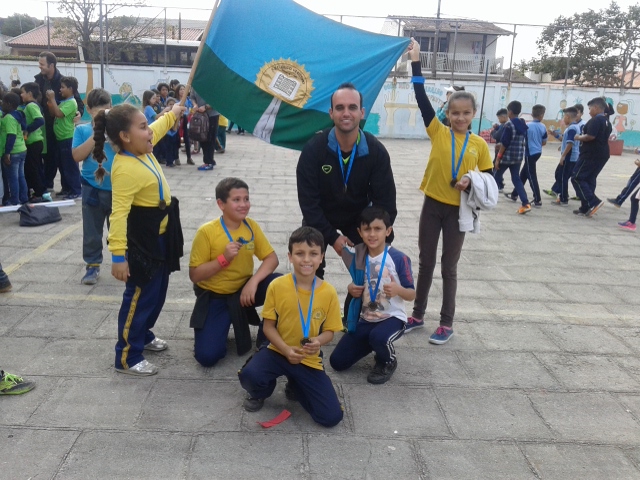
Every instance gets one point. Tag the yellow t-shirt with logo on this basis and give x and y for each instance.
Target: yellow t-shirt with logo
(437, 176)
(281, 304)
(210, 242)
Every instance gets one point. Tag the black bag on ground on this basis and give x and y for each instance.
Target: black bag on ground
(32, 216)
(199, 127)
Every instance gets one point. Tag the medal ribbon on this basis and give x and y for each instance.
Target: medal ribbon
(305, 325)
(374, 293)
(153, 170)
(456, 168)
(240, 240)
(352, 158)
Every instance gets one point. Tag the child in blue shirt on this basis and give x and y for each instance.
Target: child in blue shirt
(496, 134)
(536, 139)
(377, 316)
(570, 151)
(96, 186)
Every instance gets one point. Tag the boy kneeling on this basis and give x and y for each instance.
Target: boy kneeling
(382, 281)
(221, 268)
(300, 314)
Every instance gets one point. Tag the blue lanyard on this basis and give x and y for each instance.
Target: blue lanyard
(374, 293)
(305, 325)
(352, 158)
(155, 172)
(456, 168)
(240, 240)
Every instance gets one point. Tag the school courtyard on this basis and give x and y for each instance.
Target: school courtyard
(540, 380)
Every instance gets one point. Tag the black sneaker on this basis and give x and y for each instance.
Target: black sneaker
(511, 197)
(289, 393)
(579, 212)
(253, 404)
(613, 202)
(536, 204)
(381, 373)
(5, 287)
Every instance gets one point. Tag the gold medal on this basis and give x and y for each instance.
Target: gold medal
(162, 205)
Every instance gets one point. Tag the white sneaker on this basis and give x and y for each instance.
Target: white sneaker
(141, 369)
(156, 345)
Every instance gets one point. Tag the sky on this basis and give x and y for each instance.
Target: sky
(542, 12)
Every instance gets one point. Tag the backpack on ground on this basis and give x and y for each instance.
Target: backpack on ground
(199, 127)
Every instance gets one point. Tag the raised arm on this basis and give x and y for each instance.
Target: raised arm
(428, 113)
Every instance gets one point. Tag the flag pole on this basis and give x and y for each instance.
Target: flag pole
(205, 34)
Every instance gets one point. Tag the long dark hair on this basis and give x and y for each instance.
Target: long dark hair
(96, 98)
(109, 123)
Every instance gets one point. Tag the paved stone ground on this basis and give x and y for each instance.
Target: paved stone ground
(541, 380)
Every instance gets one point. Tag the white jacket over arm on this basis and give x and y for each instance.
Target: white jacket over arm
(483, 195)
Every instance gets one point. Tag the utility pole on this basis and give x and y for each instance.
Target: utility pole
(435, 44)
(566, 72)
(455, 46)
(101, 47)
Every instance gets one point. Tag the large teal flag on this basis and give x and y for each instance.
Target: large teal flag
(271, 67)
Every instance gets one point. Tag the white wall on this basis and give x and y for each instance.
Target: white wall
(394, 114)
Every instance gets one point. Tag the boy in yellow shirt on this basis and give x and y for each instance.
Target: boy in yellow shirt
(301, 313)
(221, 268)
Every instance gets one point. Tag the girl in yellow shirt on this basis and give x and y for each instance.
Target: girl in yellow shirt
(145, 236)
(454, 152)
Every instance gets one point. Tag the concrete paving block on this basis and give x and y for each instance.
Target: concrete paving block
(229, 455)
(419, 415)
(478, 289)
(192, 406)
(164, 327)
(28, 453)
(519, 310)
(18, 409)
(586, 339)
(584, 293)
(587, 417)
(630, 335)
(525, 289)
(631, 404)
(19, 354)
(75, 357)
(577, 314)
(69, 323)
(428, 366)
(506, 369)
(33, 272)
(126, 455)
(11, 315)
(491, 414)
(589, 371)
(178, 362)
(628, 294)
(560, 462)
(108, 402)
(473, 460)
(631, 365)
(361, 458)
(524, 337)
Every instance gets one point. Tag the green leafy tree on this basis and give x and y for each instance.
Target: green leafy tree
(600, 44)
(18, 23)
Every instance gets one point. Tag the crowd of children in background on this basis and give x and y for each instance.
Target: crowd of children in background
(583, 154)
(23, 137)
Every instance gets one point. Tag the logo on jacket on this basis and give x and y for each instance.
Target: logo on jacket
(326, 168)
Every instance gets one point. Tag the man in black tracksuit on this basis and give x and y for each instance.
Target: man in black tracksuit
(49, 79)
(341, 171)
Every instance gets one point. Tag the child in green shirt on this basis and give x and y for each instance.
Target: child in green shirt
(63, 127)
(33, 165)
(13, 149)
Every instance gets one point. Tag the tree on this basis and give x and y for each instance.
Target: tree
(82, 24)
(601, 44)
(18, 23)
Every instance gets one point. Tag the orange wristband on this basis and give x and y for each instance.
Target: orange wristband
(224, 263)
